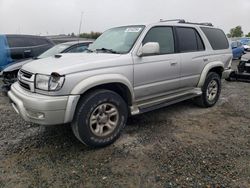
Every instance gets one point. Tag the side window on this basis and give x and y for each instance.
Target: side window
(164, 36)
(234, 44)
(216, 37)
(77, 49)
(189, 40)
(200, 43)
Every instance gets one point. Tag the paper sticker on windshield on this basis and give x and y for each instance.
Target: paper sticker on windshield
(133, 30)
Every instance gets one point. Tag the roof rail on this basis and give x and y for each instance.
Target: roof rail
(184, 22)
(173, 20)
(205, 24)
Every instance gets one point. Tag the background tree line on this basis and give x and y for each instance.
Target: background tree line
(237, 32)
(234, 32)
(91, 35)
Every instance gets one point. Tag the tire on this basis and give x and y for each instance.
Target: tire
(108, 113)
(210, 91)
(232, 77)
(241, 67)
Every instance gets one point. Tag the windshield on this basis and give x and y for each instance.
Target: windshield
(248, 43)
(117, 40)
(53, 51)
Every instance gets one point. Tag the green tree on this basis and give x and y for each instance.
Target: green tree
(248, 35)
(236, 32)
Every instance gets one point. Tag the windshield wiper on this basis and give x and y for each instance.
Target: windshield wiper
(88, 50)
(107, 50)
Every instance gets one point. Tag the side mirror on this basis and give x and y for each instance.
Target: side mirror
(150, 48)
(27, 54)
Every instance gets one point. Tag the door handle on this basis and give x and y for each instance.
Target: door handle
(173, 63)
(205, 59)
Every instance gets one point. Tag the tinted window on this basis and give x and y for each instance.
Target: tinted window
(162, 35)
(25, 41)
(216, 37)
(77, 49)
(234, 44)
(200, 43)
(189, 40)
(239, 44)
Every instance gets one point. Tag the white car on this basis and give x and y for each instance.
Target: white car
(247, 46)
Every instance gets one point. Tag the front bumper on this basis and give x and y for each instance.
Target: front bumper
(42, 109)
(226, 73)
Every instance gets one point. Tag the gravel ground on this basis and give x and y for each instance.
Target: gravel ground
(178, 146)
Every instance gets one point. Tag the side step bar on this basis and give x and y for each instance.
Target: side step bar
(167, 103)
(159, 102)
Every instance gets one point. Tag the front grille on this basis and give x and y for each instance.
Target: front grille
(24, 85)
(26, 74)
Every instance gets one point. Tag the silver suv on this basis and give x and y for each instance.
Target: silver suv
(127, 71)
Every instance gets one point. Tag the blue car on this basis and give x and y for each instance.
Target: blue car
(246, 43)
(238, 49)
(15, 48)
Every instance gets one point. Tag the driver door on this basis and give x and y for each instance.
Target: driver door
(156, 75)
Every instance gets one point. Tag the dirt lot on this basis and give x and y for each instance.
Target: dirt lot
(182, 145)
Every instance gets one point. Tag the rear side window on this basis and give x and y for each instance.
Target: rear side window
(164, 36)
(216, 37)
(189, 40)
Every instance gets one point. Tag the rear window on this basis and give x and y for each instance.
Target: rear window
(189, 40)
(216, 37)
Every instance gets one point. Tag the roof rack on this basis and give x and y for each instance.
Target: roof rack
(184, 22)
(173, 20)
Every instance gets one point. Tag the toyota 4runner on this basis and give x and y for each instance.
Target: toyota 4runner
(127, 71)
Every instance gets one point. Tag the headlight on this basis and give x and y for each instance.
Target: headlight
(53, 82)
(244, 59)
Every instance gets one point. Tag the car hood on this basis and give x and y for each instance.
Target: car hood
(70, 63)
(246, 57)
(16, 65)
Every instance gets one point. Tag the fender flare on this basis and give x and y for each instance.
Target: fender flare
(97, 80)
(206, 69)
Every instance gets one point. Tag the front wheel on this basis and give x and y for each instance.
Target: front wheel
(99, 118)
(210, 91)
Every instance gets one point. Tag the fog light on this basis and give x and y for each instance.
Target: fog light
(36, 115)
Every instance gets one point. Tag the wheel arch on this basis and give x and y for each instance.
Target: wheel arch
(216, 66)
(113, 82)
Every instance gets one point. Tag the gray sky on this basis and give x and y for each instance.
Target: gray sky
(63, 16)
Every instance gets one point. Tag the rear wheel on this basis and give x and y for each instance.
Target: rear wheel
(210, 91)
(99, 118)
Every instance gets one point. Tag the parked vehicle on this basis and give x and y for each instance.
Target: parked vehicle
(238, 49)
(15, 48)
(128, 70)
(246, 43)
(244, 65)
(9, 74)
(243, 70)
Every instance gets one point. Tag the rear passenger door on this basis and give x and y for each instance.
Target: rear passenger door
(157, 74)
(193, 56)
